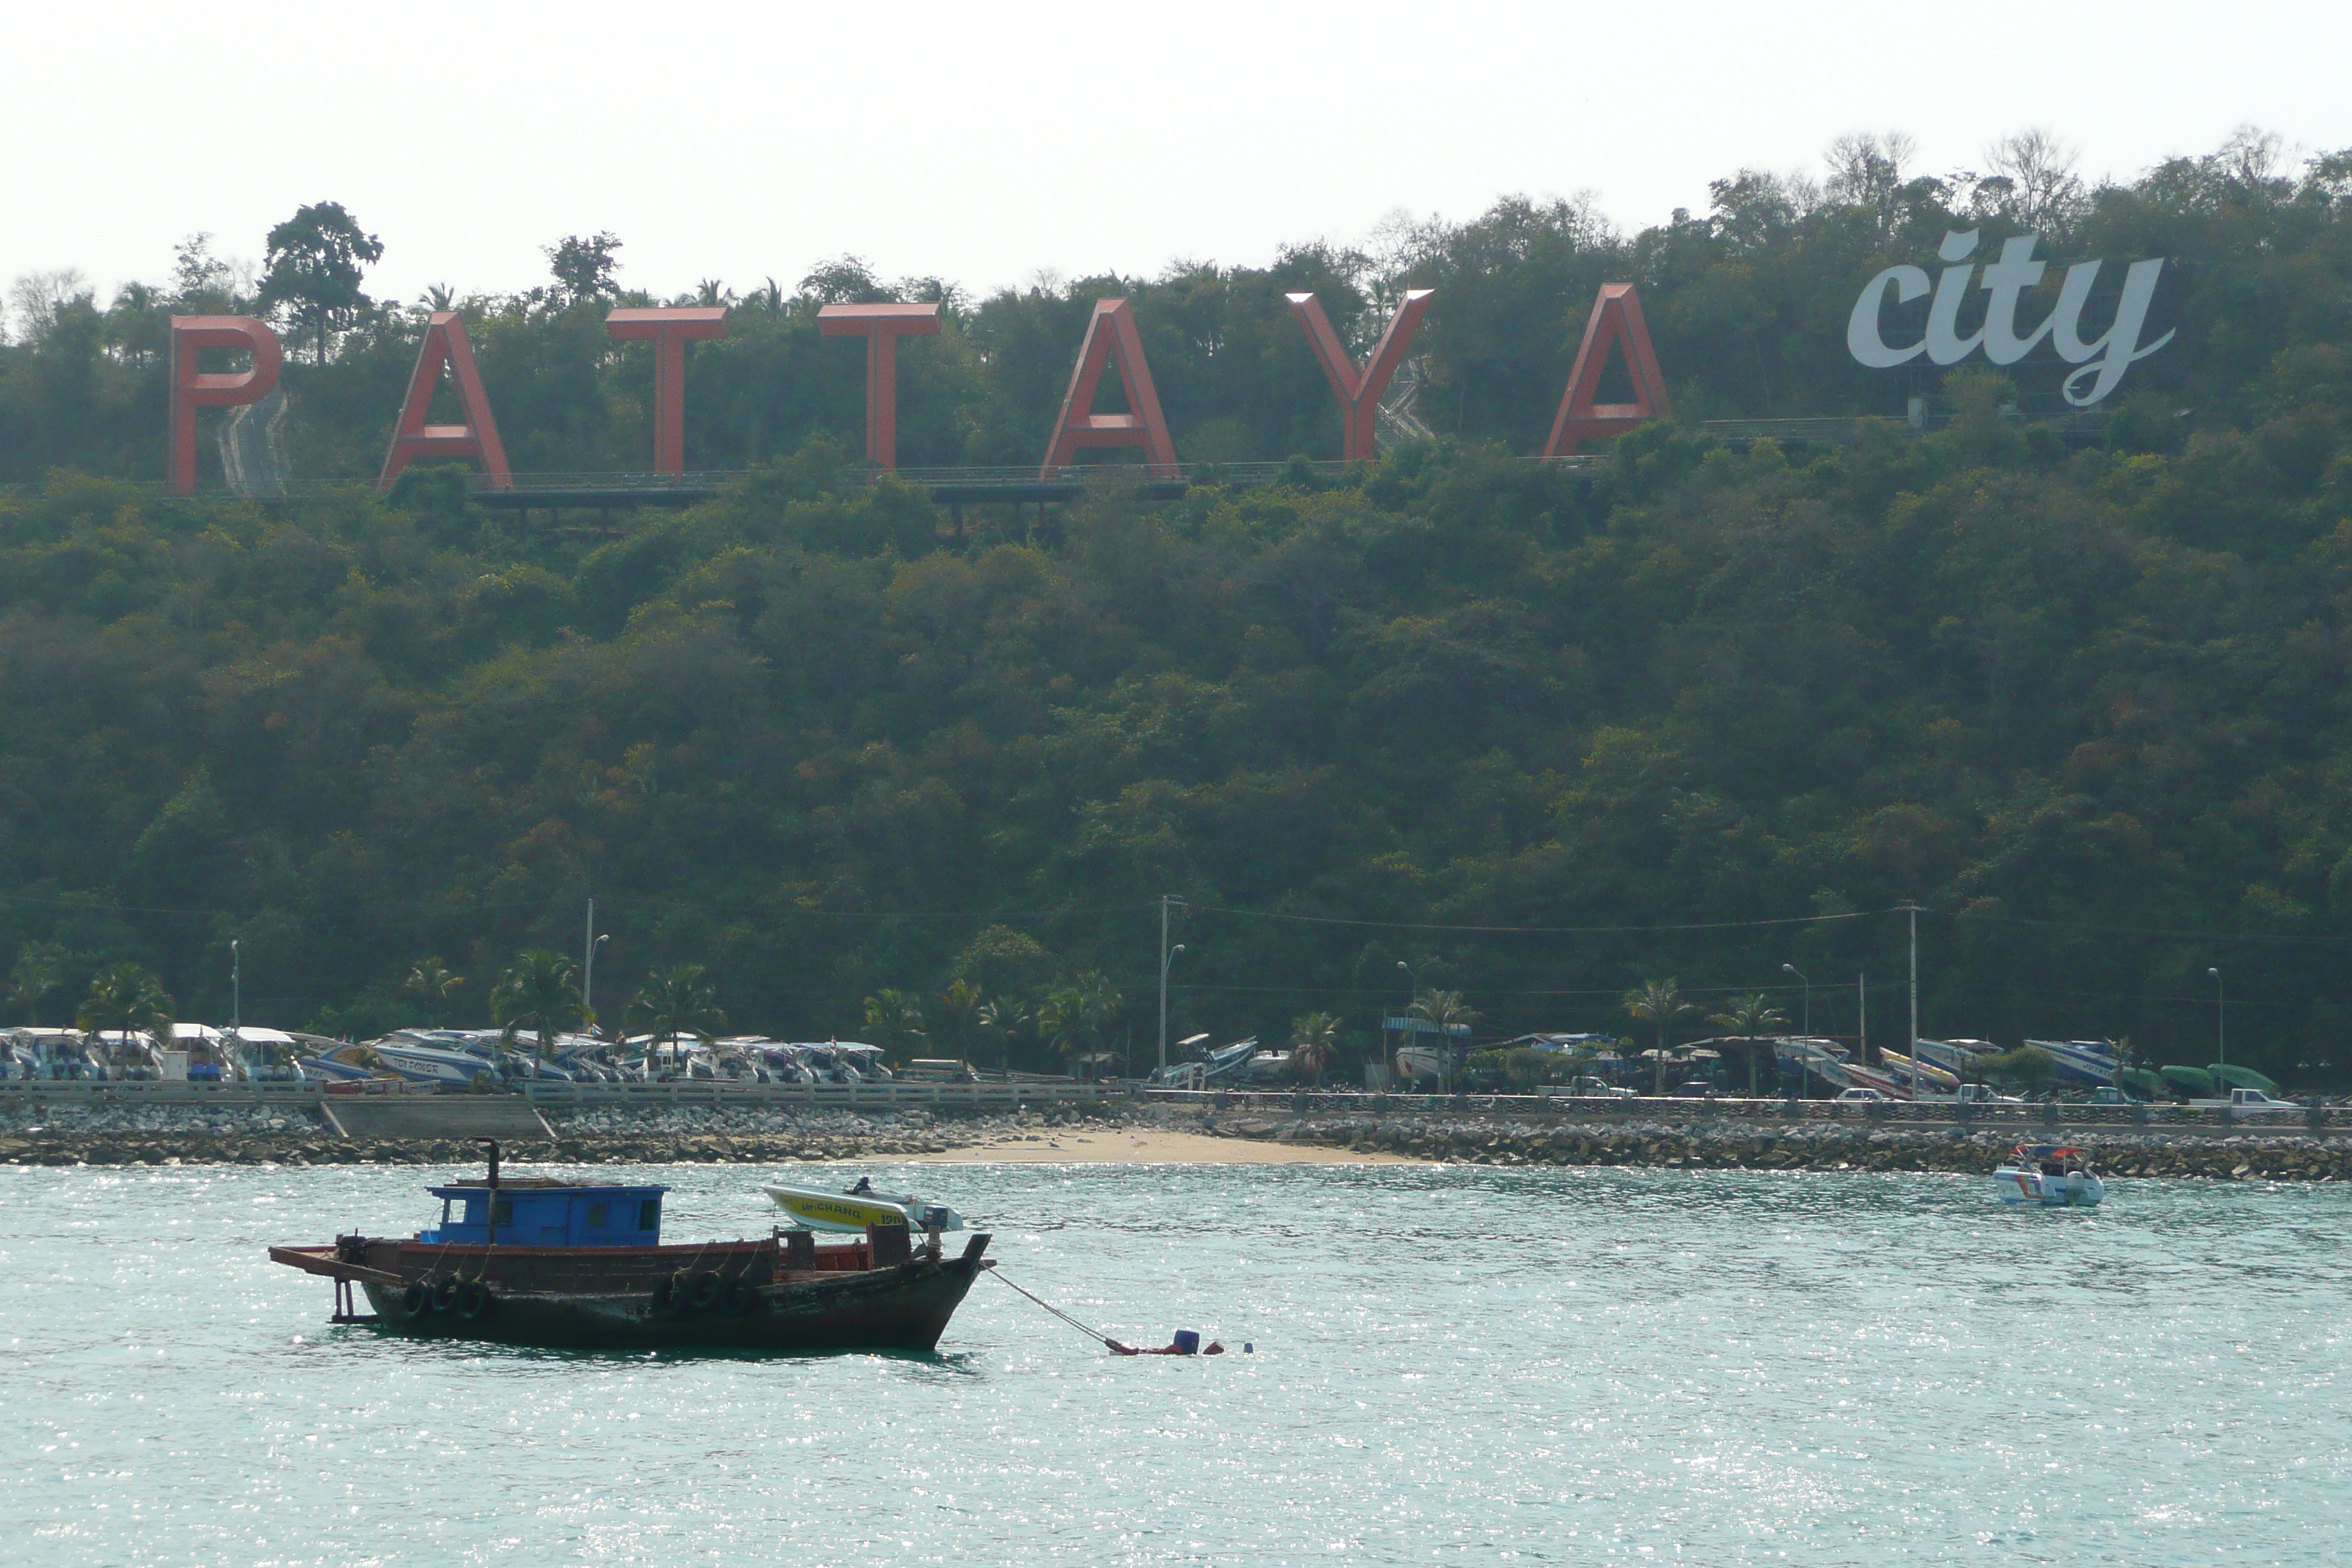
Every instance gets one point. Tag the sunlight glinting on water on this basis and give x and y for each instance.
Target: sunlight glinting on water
(1452, 1365)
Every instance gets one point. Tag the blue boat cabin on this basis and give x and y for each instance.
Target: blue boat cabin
(536, 1212)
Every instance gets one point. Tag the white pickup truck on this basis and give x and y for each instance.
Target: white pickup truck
(2249, 1102)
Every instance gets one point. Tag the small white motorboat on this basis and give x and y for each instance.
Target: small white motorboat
(821, 1208)
(2045, 1175)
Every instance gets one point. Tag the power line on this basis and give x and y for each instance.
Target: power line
(1533, 930)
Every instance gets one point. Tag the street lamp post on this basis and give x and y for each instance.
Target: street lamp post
(1807, 979)
(1411, 987)
(235, 988)
(1167, 956)
(591, 941)
(2221, 1018)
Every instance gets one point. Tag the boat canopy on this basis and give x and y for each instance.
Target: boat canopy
(538, 1211)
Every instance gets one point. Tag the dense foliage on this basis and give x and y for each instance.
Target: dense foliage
(2086, 705)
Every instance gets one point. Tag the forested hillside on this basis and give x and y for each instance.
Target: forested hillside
(2086, 705)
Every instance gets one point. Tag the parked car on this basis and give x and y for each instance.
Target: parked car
(2108, 1094)
(1984, 1094)
(1863, 1097)
(1695, 1089)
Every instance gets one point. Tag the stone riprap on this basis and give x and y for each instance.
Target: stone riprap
(2270, 1155)
(157, 1135)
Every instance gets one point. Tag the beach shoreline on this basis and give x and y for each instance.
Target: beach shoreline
(1142, 1146)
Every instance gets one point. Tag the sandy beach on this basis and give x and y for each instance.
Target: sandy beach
(1139, 1146)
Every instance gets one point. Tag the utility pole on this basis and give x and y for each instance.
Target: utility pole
(1167, 956)
(2221, 1017)
(1861, 1011)
(235, 988)
(1913, 910)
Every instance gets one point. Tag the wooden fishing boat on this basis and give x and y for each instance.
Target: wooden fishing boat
(536, 1261)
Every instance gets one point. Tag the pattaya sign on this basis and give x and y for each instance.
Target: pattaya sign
(2102, 361)
(1110, 338)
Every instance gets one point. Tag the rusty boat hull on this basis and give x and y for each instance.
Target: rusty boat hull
(746, 1296)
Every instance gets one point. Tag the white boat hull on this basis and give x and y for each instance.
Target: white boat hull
(851, 1212)
(2076, 1190)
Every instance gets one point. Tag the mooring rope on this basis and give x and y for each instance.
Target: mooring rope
(1057, 1311)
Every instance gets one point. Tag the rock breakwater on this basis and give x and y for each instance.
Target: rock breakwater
(2268, 1155)
(147, 1135)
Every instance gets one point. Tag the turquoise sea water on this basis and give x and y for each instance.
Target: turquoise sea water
(1454, 1365)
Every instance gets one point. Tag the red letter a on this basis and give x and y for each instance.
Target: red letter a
(1616, 320)
(1111, 335)
(445, 340)
(1359, 395)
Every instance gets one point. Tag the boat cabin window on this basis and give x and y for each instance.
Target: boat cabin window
(502, 1212)
(649, 1215)
(599, 1216)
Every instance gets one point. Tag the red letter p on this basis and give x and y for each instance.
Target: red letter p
(192, 389)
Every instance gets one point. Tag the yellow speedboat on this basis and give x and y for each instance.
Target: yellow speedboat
(818, 1208)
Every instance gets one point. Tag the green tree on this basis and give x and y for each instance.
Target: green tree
(431, 982)
(39, 969)
(2028, 1068)
(675, 1001)
(540, 992)
(1750, 1018)
(1314, 1037)
(895, 1019)
(312, 270)
(1658, 1002)
(127, 998)
(583, 266)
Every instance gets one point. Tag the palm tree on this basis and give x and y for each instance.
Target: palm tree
(1314, 1037)
(1750, 1017)
(673, 1002)
(431, 982)
(38, 972)
(1058, 1018)
(1659, 1002)
(1445, 1009)
(1099, 1003)
(894, 1019)
(1004, 1017)
(960, 1005)
(540, 991)
(125, 997)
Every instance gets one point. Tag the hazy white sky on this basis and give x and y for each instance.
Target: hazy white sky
(985, 143)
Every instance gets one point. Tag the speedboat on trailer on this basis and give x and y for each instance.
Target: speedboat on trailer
(2095, 1062)
(2049, 1176)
